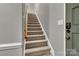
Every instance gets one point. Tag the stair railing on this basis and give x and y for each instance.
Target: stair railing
(26, 25)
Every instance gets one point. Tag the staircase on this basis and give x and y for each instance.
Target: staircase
(36, 43)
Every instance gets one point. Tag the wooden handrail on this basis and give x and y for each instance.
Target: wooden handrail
(26, 26)
(25, 31)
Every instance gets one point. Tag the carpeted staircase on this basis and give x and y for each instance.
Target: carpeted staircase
(36, 43)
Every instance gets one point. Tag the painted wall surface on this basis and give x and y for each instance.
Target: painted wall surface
(11, 27)
(57, 30)
(43, 13)
(31, 7)
(11, 52)
(49, 15)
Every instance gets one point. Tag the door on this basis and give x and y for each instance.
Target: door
(72, 26)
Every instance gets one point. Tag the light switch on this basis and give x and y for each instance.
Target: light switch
(60, 22)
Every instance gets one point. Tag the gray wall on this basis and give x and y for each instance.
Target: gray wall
(43, 13)
(31, 7)
(11, 52)
(56, 31)
(49, 15)
(11, 27)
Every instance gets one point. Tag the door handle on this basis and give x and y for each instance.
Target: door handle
(67, 37)
(67, 30)
(68, 25)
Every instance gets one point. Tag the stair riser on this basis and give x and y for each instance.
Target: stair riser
(32, 18)
(32, 21)
(33, 25)
(39, 53)
(35, 38)
(32, 29)
(35, 33)
(34, 45)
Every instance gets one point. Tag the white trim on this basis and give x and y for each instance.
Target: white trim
(10, 46)
(64, 30)
(52, 50)
(26, 18)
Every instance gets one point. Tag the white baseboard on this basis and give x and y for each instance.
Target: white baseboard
(59, 53)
